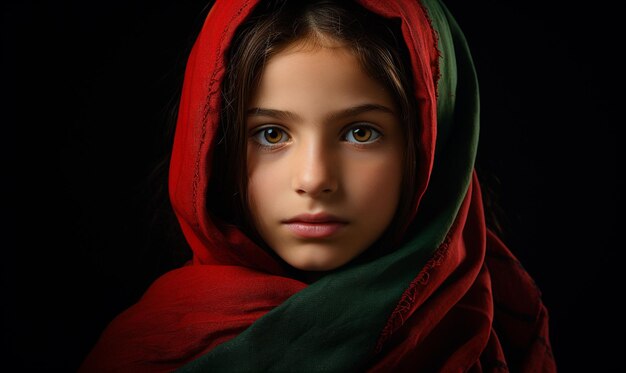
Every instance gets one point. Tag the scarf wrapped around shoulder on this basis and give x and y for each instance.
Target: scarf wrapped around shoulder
(453, 298)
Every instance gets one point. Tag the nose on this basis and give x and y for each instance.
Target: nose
(315, 170)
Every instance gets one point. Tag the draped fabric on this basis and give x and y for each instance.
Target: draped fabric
(451, 298)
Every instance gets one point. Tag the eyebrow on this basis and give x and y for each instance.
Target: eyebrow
(342, 114)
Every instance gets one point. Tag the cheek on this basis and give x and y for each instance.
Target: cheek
(265, 184)
(375, 185)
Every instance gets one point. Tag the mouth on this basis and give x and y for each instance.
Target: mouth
(320, 225)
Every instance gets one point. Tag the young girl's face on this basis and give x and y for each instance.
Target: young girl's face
(324, 157)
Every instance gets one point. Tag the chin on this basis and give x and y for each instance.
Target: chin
(314, 267)
(316, 263)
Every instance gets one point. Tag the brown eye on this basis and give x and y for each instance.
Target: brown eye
(362, 134)
(270, 136)
(273, 135)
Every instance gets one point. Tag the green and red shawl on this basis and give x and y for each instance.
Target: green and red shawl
(451, 299)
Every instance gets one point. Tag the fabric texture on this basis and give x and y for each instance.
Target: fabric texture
(452, 298)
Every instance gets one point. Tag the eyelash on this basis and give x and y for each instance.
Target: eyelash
(256, 136)
(376, 133)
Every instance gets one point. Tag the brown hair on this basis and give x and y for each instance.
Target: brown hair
(273, 25)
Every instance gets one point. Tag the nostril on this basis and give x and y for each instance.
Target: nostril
(314, 191)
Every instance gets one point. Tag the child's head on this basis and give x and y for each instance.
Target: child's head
(318, 120)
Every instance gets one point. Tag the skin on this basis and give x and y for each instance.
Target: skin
(304, 157)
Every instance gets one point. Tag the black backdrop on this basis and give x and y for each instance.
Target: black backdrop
(88, 93)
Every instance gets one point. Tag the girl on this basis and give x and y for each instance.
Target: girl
(323, 175)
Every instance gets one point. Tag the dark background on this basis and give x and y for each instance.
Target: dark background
(88, 93)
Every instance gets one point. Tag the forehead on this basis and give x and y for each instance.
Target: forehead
(303, 74)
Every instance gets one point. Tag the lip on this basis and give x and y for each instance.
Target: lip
(319, 225)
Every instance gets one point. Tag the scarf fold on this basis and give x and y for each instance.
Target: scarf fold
(451, 298)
